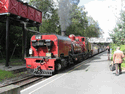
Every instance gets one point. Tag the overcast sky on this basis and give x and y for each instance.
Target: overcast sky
(106, 12)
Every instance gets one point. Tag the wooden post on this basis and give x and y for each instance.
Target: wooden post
(7, 42)
(23, 43)
(38, 28)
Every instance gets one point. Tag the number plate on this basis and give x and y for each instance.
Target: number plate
(48, 54)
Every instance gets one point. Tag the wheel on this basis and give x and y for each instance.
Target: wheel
(58, 66)
(70, 61)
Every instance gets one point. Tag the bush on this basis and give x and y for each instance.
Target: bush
(122, 48)
(114, 46)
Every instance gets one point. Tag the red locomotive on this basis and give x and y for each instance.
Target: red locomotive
(51, 53)
(48, 53)
(86, 46)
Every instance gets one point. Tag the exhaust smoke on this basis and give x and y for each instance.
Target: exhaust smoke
(64, 12)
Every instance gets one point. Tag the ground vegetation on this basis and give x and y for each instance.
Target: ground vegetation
(118, 36)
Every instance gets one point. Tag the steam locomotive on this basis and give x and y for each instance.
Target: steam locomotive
(51, 53)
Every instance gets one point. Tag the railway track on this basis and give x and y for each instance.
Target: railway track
(16, 86)
(29, 80)
(23, 81)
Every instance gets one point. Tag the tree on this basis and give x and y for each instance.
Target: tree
(93, 28)
(50, 21)
(82, 24)
(118, 34)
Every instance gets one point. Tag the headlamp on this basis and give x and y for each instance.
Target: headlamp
(30, 51)
(38, 36)
(47, 40)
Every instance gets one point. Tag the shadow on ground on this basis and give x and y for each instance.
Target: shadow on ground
(119, 74)
(84, 64)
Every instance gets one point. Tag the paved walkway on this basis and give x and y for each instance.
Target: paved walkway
(89, 77)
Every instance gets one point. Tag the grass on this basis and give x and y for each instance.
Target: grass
(13, 62)
(5, 75)
(2, 60)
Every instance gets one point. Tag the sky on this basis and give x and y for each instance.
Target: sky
(106, 12)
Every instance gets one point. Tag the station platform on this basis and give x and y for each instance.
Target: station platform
(91, 76)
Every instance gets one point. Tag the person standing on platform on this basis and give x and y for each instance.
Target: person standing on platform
(117, 59)
(108, 48)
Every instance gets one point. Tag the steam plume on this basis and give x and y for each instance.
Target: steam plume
(64, 12)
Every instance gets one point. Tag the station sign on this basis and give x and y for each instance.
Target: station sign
(100, 40)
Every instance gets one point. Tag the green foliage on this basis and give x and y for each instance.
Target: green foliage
(119, 31)
(123, 65)
(15, 39)
(8, 75)
(50, 21)
(82, 24)
(2, 60)
(113, 47)
(119, 34)
(13, 62)
(122, 48)
(45, 6)
(5, 75)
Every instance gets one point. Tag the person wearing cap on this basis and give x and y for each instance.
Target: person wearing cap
(117, 59)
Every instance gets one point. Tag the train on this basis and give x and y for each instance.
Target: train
(50, 53)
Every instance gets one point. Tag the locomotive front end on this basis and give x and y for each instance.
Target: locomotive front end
(43, 53)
